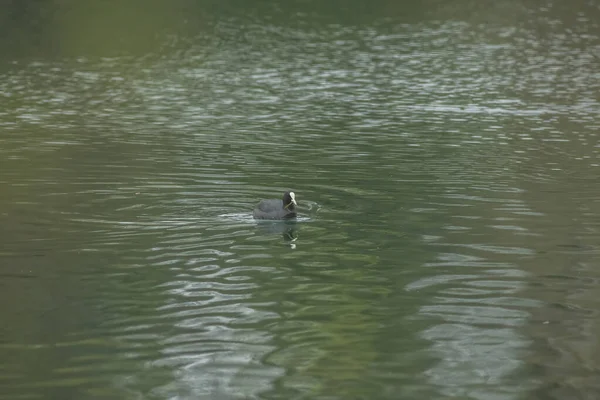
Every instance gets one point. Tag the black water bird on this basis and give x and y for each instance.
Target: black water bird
(277, 209)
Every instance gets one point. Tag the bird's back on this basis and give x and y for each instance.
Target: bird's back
(272, 209)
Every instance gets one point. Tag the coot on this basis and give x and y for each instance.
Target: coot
(277, 209)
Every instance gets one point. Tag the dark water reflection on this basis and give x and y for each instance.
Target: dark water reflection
(445, 161)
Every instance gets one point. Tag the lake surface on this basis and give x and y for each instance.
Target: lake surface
(445, 157)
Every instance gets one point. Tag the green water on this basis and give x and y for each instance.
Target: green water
(444, 156)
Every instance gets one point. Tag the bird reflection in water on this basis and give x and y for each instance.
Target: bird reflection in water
(288, 230)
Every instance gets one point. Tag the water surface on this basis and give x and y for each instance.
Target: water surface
(445, 160)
